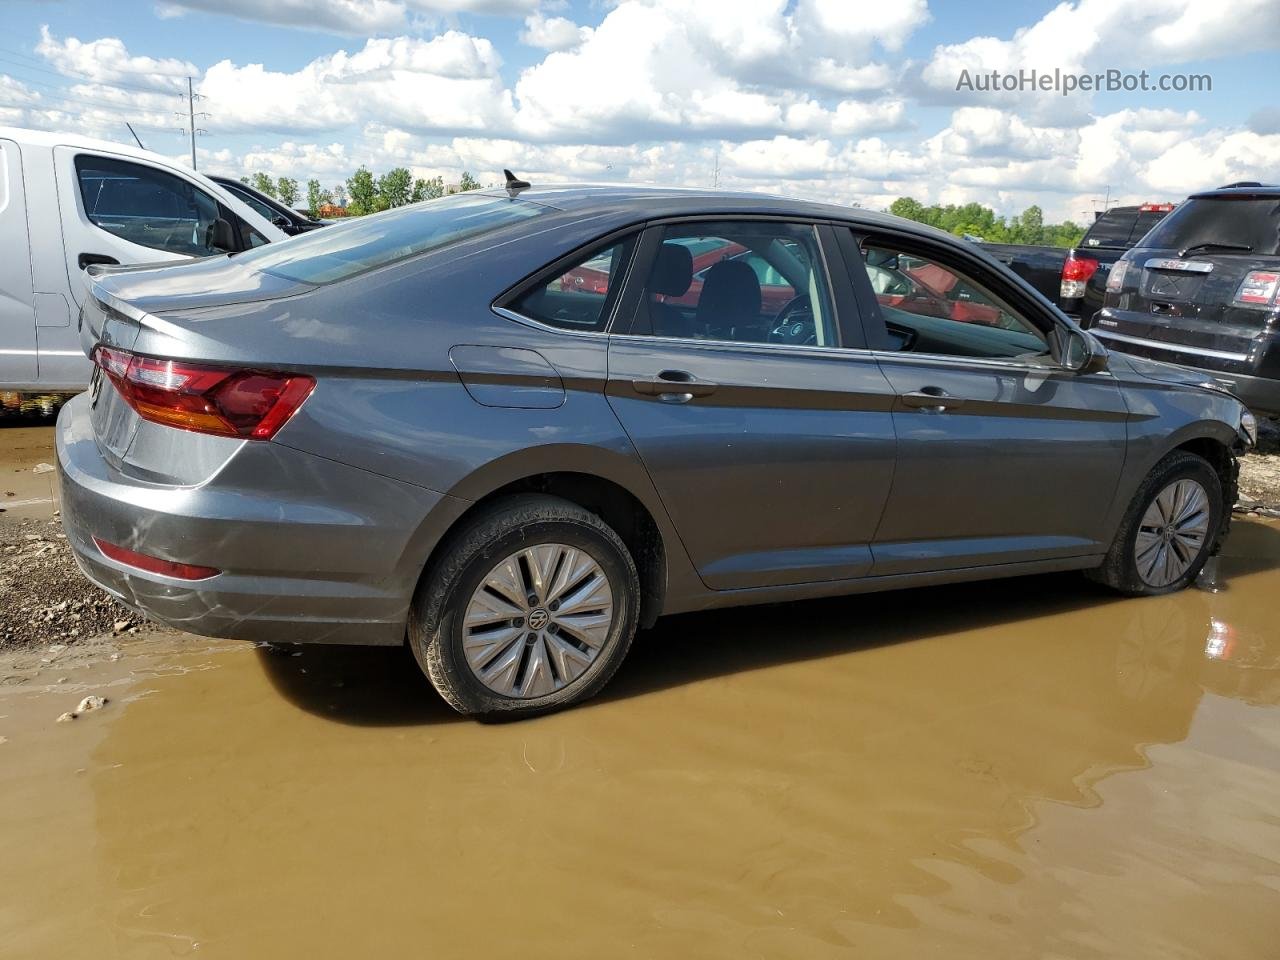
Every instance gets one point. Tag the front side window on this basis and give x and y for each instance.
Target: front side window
(740, 282)
(146, 206)
(268, 213)
(359, 244)
(578, 298)
(931, 307)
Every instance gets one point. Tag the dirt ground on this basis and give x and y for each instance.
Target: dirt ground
(46, 599)
(1260, 470)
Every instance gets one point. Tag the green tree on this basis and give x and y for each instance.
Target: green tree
(977, 220)
(396, 187)
(287, 191)
(263, 184)
(468, 182)
(317, 197)
(427, 189)
(363, 191)
(1030, 226)
(908, 208)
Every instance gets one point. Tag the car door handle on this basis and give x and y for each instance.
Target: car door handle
(674, 386)
(931, 399)
(86, 259)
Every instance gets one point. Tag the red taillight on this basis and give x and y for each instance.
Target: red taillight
(1079, 268)
(1156, 207)
(1076, 271)
(166, 568)
(1259, 289)
(231, 403)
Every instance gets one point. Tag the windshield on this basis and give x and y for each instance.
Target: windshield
(1249, 222)
(363, 243)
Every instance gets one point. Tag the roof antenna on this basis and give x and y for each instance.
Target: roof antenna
(513, 185)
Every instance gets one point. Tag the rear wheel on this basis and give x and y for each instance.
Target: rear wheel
(1170, 527)
(531, 608)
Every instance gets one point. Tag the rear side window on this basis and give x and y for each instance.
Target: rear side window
(580, 297)
(1112, 229)
(147, 206)
(1245, 225)
(365, 243)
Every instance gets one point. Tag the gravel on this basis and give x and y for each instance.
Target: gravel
(46, 598)
(1260, 471)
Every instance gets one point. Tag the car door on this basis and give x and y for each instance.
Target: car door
(766, 432)
(17, 298)
(1003, 454)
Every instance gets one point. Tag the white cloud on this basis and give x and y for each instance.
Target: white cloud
(356, 17)
(807, 97)
(1090, 36)
(553, 33)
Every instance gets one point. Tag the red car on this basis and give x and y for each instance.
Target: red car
(775, 292)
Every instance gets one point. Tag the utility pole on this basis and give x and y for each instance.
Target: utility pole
(192, 113)
(715, 172)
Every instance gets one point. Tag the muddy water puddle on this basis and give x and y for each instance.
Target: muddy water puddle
(1029, 768)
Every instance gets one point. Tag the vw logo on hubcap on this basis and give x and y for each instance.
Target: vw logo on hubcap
(538, 619)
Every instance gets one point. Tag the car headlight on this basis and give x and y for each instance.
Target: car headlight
(1249, 427)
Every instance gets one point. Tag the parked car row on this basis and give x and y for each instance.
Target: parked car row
(1202, 290)
(1076, 278)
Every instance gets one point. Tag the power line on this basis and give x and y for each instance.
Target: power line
(87, 100)
(84, 78)
(119, 111)
(44, 62)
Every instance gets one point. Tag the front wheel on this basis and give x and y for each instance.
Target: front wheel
(531, 608)
(1170, 527)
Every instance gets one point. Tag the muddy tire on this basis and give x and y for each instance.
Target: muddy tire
(531, 607)
(1169, 530)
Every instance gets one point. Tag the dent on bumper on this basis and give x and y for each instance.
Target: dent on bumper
(311, 550)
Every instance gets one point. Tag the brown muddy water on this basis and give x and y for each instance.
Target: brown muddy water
(1028, 768)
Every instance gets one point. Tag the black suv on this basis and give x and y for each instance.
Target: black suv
(1203, 290)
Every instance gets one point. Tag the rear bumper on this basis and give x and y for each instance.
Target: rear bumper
(1260, 394)
(310, 550)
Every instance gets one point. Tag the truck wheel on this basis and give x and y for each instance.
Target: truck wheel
(531, 607)
(1167, 533)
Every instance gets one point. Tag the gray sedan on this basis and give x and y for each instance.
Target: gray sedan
(510, 427)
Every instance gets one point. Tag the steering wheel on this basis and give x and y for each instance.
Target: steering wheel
(794, 323)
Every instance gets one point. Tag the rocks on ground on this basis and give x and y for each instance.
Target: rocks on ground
(46, 598)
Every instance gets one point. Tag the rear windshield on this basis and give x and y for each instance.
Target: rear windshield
(363, 243)
(1121, 228)
(1251, 222)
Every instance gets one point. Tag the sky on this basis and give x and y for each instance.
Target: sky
(849, 101)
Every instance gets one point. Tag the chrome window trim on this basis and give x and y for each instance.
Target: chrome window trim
(928, 359)
(508, 314)
(1170, 348)
(1010, 364)
(752, 345)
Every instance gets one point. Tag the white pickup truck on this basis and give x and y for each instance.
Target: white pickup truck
(67, 202)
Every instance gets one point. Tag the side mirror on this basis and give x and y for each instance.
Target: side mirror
(1078, 350)
(221, 236)
(280, 220)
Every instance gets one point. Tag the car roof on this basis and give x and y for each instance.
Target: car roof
(45, 138)
(653, 202)
(1260, 190)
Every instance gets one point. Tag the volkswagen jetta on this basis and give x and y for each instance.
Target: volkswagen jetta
(423, 426)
